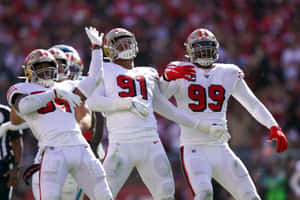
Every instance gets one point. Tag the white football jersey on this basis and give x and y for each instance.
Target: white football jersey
(55, 124)
(204, 98)
(119, 82)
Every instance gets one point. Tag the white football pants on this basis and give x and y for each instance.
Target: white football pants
(151, 162)
(203, 162)
(80, 162)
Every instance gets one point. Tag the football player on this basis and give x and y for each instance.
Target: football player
(129, 96)
(87, 120)
(205, 96)
(66, 61)
(62, 62)
(50, 110)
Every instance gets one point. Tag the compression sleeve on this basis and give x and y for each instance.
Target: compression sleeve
(245, 96)
(95, 74)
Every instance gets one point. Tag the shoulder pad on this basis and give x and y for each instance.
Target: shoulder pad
(110, 68)
(109, 65)
(19, 88)
(232, 70)
(148, 71)
(237, 71)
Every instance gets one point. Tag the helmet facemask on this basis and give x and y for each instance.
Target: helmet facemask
(202, 47)
(61, 60)
(40, 67)
(75, 66)
(63, 69)
(43, 73)
(126, 48)
(120, 44)
(204, 53)
(75, 71)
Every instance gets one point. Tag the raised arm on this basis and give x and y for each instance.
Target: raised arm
(87, 86)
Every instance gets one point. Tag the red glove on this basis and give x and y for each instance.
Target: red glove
(277, 134)
(173, 72)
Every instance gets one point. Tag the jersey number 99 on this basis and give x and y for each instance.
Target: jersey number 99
(199, 94)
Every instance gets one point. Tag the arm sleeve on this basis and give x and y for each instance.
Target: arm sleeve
(167, 88)
(100, 103)
(95, 74)
(162, 106)
(245, 96)
(33, 102)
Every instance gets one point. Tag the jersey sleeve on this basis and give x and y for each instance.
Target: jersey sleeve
(5, 110)
(235, 72)
(162, 106)
(168, 88)
(97, 102)
(15, 89)
(254, 106)
(149, 72)
(153, 73)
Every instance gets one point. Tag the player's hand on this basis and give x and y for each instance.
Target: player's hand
(220, 132)
(13, 176)
(173, 72)
(94, 36)
(277, 134)
(216, 130)
(73, 99)
(139, 107)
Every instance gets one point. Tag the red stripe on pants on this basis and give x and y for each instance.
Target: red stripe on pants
(40, 176)
(185, 171)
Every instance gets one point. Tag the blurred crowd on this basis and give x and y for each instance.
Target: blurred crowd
(260, 36)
